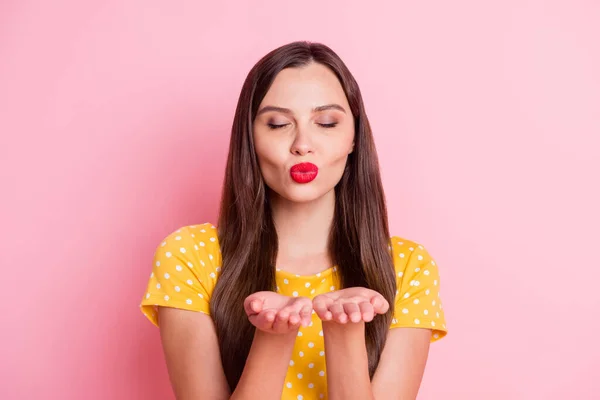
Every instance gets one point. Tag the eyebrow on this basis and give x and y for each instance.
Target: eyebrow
(288, 111)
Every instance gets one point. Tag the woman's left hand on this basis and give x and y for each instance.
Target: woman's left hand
(354, 304)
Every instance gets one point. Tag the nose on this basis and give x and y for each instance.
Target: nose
(302, 143)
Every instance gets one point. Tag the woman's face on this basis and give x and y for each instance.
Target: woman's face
(304, 117)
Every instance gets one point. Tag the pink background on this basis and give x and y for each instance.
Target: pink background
(115, 119)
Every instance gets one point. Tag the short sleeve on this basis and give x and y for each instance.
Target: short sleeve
(184, 272)
(418, 302)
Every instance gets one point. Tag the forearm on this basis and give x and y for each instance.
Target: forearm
(266, 366)
(347, 361)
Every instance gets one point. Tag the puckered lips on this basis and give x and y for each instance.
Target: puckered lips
(304, 172)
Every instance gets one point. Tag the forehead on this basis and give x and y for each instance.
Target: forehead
(305, 87)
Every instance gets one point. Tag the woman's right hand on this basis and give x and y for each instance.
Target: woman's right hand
(274, 313)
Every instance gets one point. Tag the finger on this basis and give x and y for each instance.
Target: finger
(367, 310)
(353, 312)
(280, 325)
(293, 319)
(303, 306)
(300, 303)
(293, 313)
(263, 320)
(321, 309)
(252, 305)
(338, 313)
(284, 313)
(380, 304)
(256, 305)
(306, 314)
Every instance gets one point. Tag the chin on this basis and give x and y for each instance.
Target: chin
(301, 193)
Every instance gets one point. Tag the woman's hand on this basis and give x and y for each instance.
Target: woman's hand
(354, 304)
(273, 313)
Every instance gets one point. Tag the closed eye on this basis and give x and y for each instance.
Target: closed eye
(273, 126)
(331, 125)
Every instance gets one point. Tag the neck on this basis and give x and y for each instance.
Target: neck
(303, 228)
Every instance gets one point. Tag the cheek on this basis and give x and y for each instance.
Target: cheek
(271, 158)
(269, 153)
(338, 157)
(338, 154)
(333, 169)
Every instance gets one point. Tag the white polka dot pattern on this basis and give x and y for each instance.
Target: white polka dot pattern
(187, 265)
(418, 288)
(183, 274)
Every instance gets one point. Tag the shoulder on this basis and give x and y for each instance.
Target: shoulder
(195, 247)
(418, 303)
(405, 251)
(195, 233)
(413, 262)
(185, 269)
(198, 239)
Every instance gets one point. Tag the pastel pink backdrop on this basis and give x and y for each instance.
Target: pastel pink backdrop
(115, 119)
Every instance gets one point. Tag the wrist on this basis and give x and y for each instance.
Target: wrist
(349, 328)
(275, 342)
(343, 335)
(266, 365)
(347, 361)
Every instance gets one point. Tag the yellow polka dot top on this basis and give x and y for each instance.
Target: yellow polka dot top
(186, 267)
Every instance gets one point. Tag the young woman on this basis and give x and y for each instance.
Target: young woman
(299, 292)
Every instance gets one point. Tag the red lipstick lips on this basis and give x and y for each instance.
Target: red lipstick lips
(304, 172)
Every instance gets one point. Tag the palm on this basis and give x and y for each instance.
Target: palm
(274, 301)
(275, 313)
(352, 304)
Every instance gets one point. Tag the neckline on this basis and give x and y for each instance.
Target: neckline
(318, 275)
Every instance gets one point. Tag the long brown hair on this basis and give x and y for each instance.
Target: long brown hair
(359, 238)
